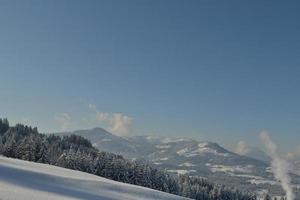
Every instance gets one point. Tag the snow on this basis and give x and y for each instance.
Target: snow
(249, 176)
(163, 146)
(261, 193)
(202, 145)
(257, 180)
(231, 169)
(181, 171)
(33, 181)
(269, 169)
(263, 181)
(182, 151)
(165, 158)
(174, 140)
(203, 149)
(186, 164)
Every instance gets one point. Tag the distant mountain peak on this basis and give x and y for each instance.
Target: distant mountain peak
(99, 129)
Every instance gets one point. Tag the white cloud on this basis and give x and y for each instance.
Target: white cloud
(242, 148)
(103, 116)
(118, 123)
(65, 121)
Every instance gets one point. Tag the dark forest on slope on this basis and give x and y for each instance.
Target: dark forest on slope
(75, 152)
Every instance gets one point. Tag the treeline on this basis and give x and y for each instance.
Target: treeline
(75, 152)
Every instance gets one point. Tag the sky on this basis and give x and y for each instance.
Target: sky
(211, 70)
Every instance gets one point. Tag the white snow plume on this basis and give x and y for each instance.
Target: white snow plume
(280, 167)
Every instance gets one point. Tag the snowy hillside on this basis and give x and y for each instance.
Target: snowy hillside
(26, 180)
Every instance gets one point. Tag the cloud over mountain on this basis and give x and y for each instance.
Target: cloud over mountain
(242, 148)
(118, 123)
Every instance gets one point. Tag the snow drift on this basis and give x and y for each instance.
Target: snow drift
(33, 181)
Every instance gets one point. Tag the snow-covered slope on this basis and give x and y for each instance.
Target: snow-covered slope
(26, 180)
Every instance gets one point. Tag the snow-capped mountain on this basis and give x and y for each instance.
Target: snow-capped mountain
(185, 155)
(192, 157)
(106, 141)
(33, 181)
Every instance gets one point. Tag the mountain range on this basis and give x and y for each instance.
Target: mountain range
(193, 157)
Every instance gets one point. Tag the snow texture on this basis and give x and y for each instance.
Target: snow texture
(32, 181)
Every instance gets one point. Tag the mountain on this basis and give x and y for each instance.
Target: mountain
(294, 160)
(33, 181)
(192, 157)
(107, 141)
(258, 154)
(184, 155)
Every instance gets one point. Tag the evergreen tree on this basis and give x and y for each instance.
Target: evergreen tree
(4, 125)
(267, 197)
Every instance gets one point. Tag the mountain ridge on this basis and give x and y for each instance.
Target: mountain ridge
(99, 137)
(192, 157)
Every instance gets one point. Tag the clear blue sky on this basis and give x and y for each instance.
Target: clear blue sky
(217, 70)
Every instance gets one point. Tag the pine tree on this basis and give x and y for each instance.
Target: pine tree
(267, 197)
(4, 125)
(9, 148)
(43, 153)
